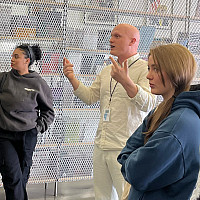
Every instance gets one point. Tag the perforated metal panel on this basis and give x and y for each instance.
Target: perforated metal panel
(80, 30)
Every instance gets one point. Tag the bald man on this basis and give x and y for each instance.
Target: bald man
(125, 99)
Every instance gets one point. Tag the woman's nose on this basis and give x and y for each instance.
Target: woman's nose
(149, 75)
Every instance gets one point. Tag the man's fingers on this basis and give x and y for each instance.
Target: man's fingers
(113, 61)
(126, 65)
(67, 64)
(65, 61)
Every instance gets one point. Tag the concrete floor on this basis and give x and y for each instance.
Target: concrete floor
(77, 190)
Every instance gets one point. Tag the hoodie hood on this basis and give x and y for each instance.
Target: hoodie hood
(190, 99)
(195, 87)
(32, 74)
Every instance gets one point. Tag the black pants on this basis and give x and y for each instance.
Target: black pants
(16, 151)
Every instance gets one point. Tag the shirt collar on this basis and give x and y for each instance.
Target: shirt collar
(132, 59)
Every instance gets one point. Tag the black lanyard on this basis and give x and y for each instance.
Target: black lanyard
(111, 92)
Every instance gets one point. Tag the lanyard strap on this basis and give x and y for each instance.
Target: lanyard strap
(111, 92)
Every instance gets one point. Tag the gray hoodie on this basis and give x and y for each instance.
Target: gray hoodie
(25, 102)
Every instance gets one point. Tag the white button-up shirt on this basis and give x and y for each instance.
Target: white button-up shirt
(126, 113)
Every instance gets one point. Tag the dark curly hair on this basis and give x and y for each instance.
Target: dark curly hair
(33, 52)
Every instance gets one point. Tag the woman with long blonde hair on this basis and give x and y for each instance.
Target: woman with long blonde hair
(161, 159)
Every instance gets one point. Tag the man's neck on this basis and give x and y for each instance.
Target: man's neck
(121, 60)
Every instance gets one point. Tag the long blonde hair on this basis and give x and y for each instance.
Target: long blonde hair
(180, 66)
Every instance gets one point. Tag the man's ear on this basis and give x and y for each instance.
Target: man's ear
(133, 40)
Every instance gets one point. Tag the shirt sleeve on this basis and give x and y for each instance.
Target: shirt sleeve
(144, 99)
(2, 79)
(89, 95)
(46, 111)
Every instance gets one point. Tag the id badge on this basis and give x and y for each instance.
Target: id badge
(106, 115)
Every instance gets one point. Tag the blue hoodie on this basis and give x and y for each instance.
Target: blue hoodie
(167, 166)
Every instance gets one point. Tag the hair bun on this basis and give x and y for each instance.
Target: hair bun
(37, 52)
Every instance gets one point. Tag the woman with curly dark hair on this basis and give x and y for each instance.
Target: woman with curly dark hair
(26, 108)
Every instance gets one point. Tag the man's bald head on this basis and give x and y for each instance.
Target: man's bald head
(131, 31)
(124, 41)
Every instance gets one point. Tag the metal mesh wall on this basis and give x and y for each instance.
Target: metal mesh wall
(80, 30)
